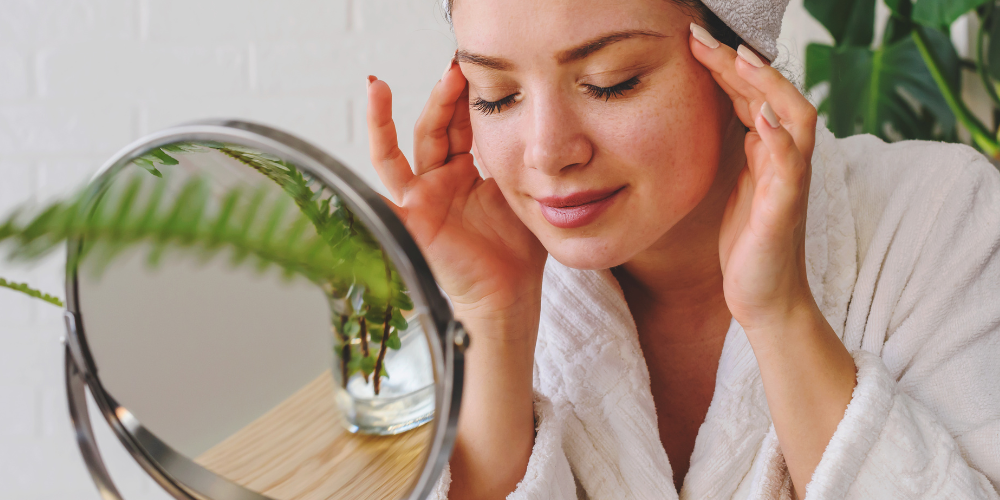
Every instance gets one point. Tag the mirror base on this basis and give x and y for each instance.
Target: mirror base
(80, 416)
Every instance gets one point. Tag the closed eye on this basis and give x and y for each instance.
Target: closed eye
(615, 91)
(489, 107)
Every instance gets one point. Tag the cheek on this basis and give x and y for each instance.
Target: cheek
(670, 144)
(499, 148)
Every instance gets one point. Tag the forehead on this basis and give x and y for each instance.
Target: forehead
(509, 27)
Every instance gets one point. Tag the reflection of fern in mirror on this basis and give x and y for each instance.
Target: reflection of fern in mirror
(338, 253)
(363, 316)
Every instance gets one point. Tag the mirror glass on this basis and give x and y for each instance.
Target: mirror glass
(241, 314)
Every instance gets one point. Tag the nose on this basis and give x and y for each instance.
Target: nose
(555, 140)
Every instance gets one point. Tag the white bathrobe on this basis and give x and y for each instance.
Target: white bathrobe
(902, 248)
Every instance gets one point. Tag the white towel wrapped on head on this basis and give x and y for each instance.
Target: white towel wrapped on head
(758, 22)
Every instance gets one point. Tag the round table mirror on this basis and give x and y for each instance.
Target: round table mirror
(261, 327)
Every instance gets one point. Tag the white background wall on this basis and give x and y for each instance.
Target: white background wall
(80, 79)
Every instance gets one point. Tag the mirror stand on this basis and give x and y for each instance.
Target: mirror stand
(76, 393)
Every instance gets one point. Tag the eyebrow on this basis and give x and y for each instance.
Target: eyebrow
(566, 56)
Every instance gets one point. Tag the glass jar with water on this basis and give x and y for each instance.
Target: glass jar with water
(383, 371)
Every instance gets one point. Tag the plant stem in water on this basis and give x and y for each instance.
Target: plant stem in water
(382, 348)
(345, 351)
(363, 334)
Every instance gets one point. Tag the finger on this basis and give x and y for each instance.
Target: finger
(740, 104)
(383, 145)
(720, 60)
(796, 113)
(786, 159)
(431, 145)
(460, 140)
(460, 127)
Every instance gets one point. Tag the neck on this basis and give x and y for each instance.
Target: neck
(680, 275)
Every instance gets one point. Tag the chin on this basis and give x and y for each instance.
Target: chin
(586, 253)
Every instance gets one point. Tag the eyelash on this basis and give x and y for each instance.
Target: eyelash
(489, 107)
(615, 91)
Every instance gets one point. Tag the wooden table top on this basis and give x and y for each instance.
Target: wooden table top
(300, 450)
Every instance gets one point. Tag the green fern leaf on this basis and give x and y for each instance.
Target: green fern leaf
(25, 289)
(321, 241)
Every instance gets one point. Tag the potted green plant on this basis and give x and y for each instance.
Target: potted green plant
(907, 86)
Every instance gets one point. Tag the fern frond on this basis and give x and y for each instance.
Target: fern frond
(134, 212)
(322, 240)
(24, 288)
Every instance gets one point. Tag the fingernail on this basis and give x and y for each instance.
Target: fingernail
(749, 56)
(772, 119)
(703, 36)
(446, 70)
(371, 80)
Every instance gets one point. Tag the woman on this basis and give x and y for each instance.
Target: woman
(692, 330)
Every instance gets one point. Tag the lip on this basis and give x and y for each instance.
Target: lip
(577, 209)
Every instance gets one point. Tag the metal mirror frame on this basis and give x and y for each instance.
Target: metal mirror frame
(177, 474)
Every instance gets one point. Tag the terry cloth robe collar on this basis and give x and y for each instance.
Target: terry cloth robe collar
(588, 360)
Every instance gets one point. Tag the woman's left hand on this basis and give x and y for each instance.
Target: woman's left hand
(808, 374)
(762, 239)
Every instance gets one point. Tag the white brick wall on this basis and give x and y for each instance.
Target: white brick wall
(80, 79)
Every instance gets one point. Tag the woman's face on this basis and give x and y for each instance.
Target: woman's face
(599, 126)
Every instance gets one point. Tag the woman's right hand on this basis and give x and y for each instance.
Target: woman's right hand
(490, 265)
(481, 254)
